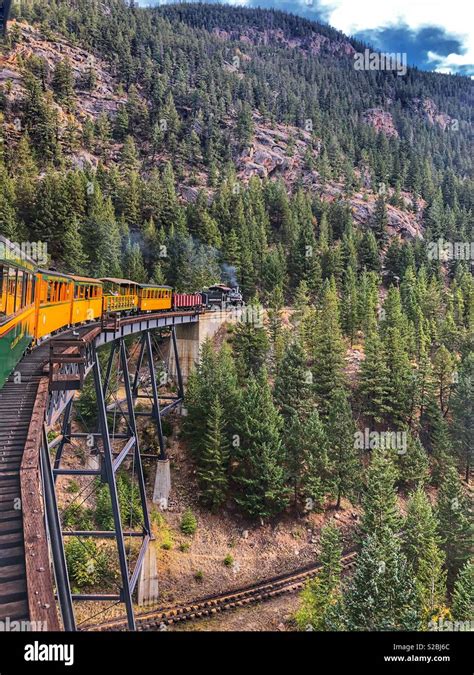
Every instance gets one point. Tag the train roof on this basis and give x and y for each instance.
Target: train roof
(86, 280)
(53, 273)
(220, 287)
(154, 286)
(120, 282)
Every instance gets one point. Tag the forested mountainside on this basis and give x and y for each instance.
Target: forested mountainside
(194, 143)
(161, 120)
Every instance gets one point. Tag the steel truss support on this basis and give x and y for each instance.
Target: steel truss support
(111, 458)
(158, 411)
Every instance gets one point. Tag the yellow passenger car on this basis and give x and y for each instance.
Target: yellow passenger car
(54, 294)
(87, 299)
(119, 295)
(152, 298)
(17, 306)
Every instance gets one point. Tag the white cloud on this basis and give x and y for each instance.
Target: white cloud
(455, 17)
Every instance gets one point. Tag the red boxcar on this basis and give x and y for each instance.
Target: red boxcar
(187, 300)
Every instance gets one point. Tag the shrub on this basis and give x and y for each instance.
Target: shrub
(87, 564)
(199, 576)
(229, 560)
(73, 487)
(167, 543)
(188, 522)
(77, 517)
(184, 546)
(130, 505)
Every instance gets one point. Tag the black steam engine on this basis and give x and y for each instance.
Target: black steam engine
(221, 297)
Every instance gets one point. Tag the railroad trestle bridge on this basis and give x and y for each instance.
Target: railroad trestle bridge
(40, 395)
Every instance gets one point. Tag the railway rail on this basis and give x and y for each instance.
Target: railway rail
(214, 604)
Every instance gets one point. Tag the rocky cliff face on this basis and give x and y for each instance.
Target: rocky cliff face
(277, 151)
(381, 121)
(105, 97)
(313, 44)
(427, 109)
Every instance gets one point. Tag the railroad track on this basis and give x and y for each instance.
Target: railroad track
(211, 605)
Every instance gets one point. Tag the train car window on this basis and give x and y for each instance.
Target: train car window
(43, 290)
(19, 288)
(24, 289)
(3, 289)
(76, 291)
(14, 290)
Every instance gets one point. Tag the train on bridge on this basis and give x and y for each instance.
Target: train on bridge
(36, 303)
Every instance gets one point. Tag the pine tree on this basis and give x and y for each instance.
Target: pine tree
(367, 302)
(102, 242)
(73, 256)
(8, 224)
(463, 596)
(250, 344)
(421, 545)
(368, 253)
(214, 459)
(328, 350)
(321, 600)
(349, 312)
(374, 386)
(292, 391)
(380, 221)
(380, 500)
(260, 475)
(214, 376)
(316, 476)
(401, 377)
(412, 463)
(382, 594)
(455, 527)
(63, 82)
(443, 371)
(41, 122)
(436, 439)
(344, 460)
(275, 324)
(462, 405)
(133, 264)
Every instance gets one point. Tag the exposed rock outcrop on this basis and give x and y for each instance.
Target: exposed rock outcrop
(381, 121)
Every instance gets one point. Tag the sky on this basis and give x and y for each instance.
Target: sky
(435, 35)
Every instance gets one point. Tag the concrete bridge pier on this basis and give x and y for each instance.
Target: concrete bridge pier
(190, 337)
(162, 488)
(148, 579)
